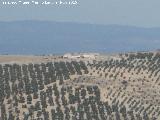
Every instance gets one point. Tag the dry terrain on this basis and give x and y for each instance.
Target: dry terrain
(108, 87)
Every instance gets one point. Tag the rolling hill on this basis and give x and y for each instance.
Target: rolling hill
(45, 37)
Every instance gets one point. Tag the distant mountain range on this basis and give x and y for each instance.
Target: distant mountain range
(44, 37)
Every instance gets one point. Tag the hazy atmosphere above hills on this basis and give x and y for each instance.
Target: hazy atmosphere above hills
(123, 12)
(37, 37)
(90, 26)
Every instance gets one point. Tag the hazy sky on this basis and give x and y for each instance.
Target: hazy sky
(124, 12)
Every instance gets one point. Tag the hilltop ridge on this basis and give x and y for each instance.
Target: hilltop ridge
(44, 37)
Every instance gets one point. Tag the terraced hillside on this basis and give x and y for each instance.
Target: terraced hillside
(110, 87)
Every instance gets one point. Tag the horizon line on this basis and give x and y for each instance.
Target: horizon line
(76, 22)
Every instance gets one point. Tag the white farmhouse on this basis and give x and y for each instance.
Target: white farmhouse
(71, 56)
(89, 56)
(81, 55)
(68, 55)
